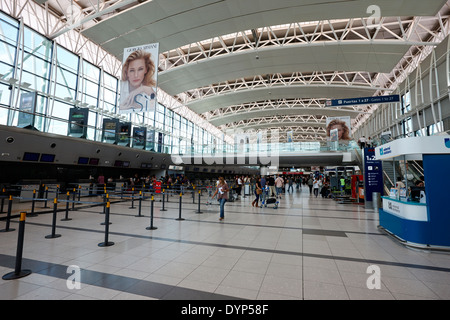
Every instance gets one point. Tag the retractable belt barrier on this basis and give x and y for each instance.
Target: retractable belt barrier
(106, 204)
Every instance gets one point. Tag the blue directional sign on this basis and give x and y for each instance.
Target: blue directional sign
(362, 101)
(373, 174)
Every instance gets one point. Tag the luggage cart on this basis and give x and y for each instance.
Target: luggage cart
(270, 201)
(210, 200)
(232, 195)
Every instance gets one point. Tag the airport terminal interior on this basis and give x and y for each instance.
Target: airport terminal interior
(222, 150)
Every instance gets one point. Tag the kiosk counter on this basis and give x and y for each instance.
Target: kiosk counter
(424, 224)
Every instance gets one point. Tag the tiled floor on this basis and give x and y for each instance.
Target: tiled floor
(308, 248)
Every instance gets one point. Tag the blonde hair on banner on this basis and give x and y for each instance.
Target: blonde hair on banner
(150, 65)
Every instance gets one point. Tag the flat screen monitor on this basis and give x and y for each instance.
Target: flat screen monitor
(30, 156)
(118, 163)
(415, 193)
(126, 164)
(47, 157)
(93, 161)
(83, 160)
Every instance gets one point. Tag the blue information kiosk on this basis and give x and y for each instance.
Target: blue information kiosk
(419, 220)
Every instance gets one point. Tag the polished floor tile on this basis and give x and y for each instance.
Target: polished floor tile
(307, 249)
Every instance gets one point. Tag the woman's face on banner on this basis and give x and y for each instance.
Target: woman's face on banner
(340, 130)
(136, 72)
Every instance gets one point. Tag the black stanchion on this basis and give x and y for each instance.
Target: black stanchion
(105, 200)
(18, 272)
(46, 197)
(73, 198)
(163, 197)
(8, 216)
(33, 203)
(3, 200)
(106, 243)
(132, 198)
(140, 205)
(179, 211)
(106, 209)
(66, 218)
(55, 209)
(199, 194)
(151, 227)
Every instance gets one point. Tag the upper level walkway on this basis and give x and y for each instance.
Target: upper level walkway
(277, 154)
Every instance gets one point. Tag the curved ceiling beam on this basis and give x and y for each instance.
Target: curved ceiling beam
(274, 93)
(274, 125)
(175, 24)
(281, 126)
(254, 114)
(366, 56)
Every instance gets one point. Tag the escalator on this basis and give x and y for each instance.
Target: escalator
(414, 172)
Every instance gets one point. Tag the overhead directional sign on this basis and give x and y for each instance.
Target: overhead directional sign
(362, 101)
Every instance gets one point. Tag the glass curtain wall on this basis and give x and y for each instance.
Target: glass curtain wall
(63, 80)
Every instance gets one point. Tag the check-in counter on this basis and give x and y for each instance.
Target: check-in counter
(406, 220)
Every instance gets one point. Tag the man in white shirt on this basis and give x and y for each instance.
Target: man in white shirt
(362, 142)
(279, 183)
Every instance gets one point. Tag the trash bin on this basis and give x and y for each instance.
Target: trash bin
(376, 200)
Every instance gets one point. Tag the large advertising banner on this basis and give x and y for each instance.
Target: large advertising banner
(139, 79)
(139, 137)
(109, 134)
(27, 108)
(124, 133)
(78, 119)
(342, 125)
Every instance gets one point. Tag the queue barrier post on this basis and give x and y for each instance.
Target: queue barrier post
(18, 272)
(132, 198)
(151, 227)
(199, 194)
(105, 209)
(105, 200)
(33, 203)
(106, 243)
(73, 198)
(46, 197)
(179, 210)
(3, 200)
(55, 209)
(163, 201)
(8, 216)
(66, 218)
(140, 204)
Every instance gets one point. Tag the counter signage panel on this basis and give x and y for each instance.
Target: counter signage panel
(373, 174)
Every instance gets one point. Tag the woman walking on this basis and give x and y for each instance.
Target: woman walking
(258, 191)
(222, 196)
